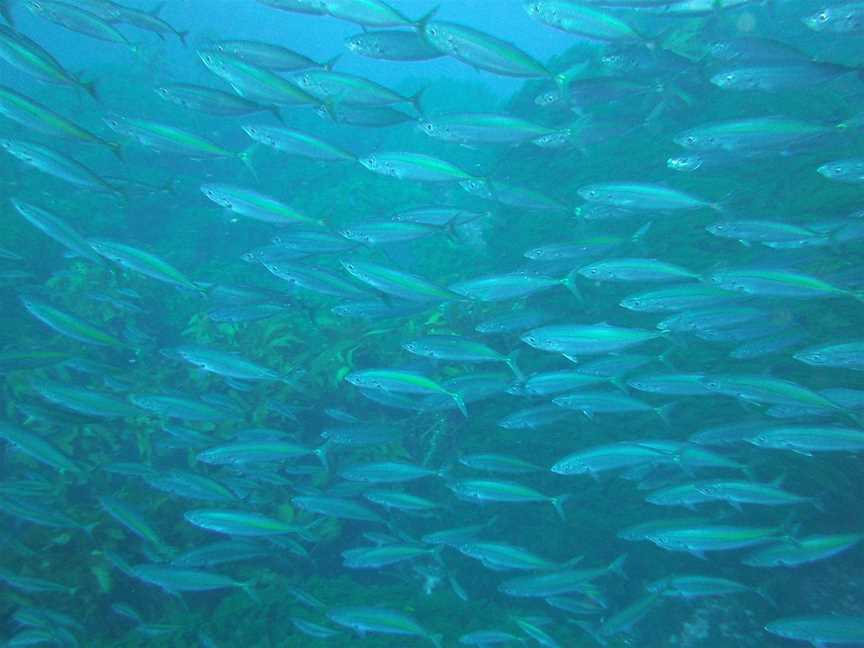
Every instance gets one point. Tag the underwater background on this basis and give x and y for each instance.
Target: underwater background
(484, 322)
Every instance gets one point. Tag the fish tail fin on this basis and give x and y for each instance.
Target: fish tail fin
(436, 554)
(639, 235)
(330, 63)
(762, 591)
(116, 149)
(591, 630)
(90, 88)
(416, 99)
(663, 412)
(575, 560)
(436, 640)
(460, 403)
(246, 158)
(511, 362)
(248, 589)
(664, 357)
(558, 504)
(420, 23)
(617, 567)
(5, 11)
(321, 453)
(619, 384)
(274, 110)
(569, 282)
(182, 36)
(88, 528)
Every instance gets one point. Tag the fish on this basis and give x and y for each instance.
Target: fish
(55, 228)
(582, 340)
(255, 83)
(78, 20)
(405, 165)
(174, 580)
(39, 449)
(819, 630)
(211, 101)
(295, 142)
(68, 324)
(480, 50)
(54, 163)
(503, 557)
(267, 55)
(251, 204)
(29, 57)
(642, 196)
(581, 20)
(806, 440)
(388, 380)
(240, 523)
(392, 45)
(380, 620)
(848, 355)
(803, 550)
(246, 452)
(142, 262)
(32, 115)
(487, 490)
(385, 555)
(560, 582)
(230, 365)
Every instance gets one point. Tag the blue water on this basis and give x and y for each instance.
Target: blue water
(583, 285)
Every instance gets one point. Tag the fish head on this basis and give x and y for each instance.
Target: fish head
(549, 98)
(254, 132)
(211, 60)
(116, 123)
(821, 20)
(437, 36)
(632, 303)
(719, 229)
(593, 271)
(592, 193)
(35, 7)
(722, 50)
(429, 128)
(685, 163)
(163, 92)
(216, 195)
(833, 170)
(365, 45)
(731, 79)
(619, 62)
(18, 151)
(542, 10)
(350, 267)
(476, 188)
(532, 338)
(712, 384)
(370, 162)
(354, 235)
(690, 140)
(811, 357)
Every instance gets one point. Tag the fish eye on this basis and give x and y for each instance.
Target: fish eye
(823, 17)
(432, 31)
